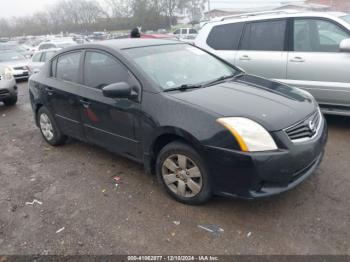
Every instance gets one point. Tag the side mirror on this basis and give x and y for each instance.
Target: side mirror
(345, 45)
(117, 90)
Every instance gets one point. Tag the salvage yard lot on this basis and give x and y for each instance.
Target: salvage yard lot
(80, 210)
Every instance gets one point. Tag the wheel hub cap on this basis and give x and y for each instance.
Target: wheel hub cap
(46, 126)
(182, 176)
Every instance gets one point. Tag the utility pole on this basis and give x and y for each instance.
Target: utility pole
(209, 9)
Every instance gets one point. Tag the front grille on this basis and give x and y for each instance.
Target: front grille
(20, 68)
(4, 92)
(306, 129)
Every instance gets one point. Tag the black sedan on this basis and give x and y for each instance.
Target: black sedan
(202, 125)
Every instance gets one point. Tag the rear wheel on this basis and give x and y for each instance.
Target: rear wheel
(10, 101)
(183, 174)
(49, 129)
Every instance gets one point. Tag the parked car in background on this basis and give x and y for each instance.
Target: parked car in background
(162, 31)
(22, 49)
(55, 45)
(186, 33)
(40, 58)
(157, 36)
(8, 88)
(201, 124)
(306, 50)
(16, 63)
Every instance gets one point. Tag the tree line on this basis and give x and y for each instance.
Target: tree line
(84, 16)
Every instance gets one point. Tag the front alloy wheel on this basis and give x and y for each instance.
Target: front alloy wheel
(183, 173)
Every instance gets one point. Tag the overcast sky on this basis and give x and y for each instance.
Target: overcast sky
(24, 7)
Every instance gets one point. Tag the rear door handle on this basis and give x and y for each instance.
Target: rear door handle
(85, 103)
(297, 59)
(245, 57)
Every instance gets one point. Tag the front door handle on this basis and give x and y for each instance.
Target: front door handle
(85, 103)
(245, 57)
(297, 59)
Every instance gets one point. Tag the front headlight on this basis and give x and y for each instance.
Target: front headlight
(251, 136)
(8, 73)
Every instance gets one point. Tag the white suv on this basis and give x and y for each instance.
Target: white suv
(306, 50)
(186, 33)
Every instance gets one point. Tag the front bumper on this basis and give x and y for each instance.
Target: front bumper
(8, 89)
(256, 175)
(21, 74)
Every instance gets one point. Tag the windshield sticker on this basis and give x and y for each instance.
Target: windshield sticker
(170, 83)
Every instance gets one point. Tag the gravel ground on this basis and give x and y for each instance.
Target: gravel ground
(81, 212)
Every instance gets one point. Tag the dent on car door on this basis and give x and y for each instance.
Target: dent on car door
(262, 49)
(316, 64)
(108, 122)
(62, 93)
(224, 40)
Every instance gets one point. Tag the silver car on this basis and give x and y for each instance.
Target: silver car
(306, 50)
(8, 88)
(16, 63)
(40, 58)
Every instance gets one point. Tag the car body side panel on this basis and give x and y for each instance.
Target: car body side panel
(61, 99)
(325, 75)
(110, 122)
(269, 64)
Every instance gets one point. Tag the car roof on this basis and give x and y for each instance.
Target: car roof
(120, 44)
(273, 15)
(48, 50)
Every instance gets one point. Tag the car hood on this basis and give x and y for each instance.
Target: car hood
(272, 104)
(17, 63)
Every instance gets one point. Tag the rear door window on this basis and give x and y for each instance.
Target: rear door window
(68, 67)
(225, 37)
(265, 36)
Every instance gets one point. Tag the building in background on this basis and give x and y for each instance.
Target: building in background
(309, 6)
(217, 12)
(335, 5)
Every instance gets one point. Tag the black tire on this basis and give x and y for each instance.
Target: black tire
(10, 101)
(180, 148)
(58, 138)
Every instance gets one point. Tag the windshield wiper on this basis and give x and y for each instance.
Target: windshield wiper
(183, 88)
(223, 78)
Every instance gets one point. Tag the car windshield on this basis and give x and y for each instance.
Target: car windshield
(17, 48)
(346, 18)
(176, 65)
(11, 56)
